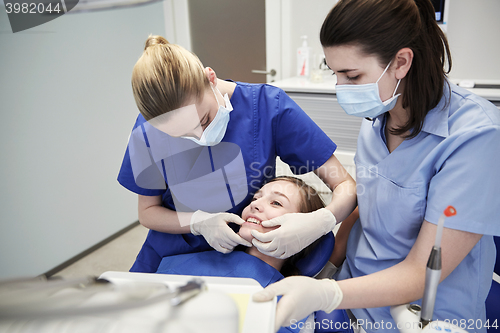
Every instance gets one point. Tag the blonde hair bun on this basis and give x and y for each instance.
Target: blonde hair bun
(155, 40)
(166, 77)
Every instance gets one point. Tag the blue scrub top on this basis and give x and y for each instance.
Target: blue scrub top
(454, 161)
(265, 123)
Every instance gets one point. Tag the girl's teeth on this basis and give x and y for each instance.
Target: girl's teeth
(252, 220)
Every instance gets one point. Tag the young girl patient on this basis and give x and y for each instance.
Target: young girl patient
(279, 196)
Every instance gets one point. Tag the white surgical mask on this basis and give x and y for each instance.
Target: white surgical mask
(215, 131)
(363, 100)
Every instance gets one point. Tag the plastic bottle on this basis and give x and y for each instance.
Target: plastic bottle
(303, 58)
(316, 71)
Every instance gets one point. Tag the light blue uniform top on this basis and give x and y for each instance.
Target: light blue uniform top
(454, 160)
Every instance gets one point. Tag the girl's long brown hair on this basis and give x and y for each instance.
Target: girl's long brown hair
(310, 202)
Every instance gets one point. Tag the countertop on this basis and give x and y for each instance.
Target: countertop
(327, 86)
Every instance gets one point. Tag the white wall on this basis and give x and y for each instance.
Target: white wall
(303, 18)
(472, 30)
(67, 110)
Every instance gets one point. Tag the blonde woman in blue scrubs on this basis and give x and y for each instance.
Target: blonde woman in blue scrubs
(200, 149)
(425, 144)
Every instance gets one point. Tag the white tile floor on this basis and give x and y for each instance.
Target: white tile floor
(117, 255)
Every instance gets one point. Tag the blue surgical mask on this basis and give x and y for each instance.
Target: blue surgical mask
(215, 131)
(363, 100)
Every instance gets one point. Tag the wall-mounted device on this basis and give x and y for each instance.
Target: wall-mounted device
(441, 11)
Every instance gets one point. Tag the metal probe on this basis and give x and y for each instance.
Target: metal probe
(433, 271)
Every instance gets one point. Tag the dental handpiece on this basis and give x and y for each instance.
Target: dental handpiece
(433, 271)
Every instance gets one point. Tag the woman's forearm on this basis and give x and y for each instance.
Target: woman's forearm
(400, 284)
(339, 251)
(156, 217)
(404, 282)
(336, 177)
(343, 199)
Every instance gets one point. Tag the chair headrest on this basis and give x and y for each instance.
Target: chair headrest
(314, 262)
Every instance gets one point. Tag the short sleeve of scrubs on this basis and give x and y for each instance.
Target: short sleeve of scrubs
(469, 187)
(139, 147)
(464, 177)
(300, 142)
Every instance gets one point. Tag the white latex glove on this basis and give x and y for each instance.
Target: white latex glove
(216, 231)
(301, 296)
(296, 231)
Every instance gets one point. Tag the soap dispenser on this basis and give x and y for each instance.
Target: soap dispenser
(303, 58)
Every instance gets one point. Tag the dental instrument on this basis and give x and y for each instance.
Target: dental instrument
(433, 271)
(36, 298)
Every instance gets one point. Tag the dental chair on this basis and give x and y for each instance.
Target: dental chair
(314, 262)
(493, 300)
(311, 266)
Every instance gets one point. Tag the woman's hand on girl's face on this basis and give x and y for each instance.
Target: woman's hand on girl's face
(272, 200)
(296, 232)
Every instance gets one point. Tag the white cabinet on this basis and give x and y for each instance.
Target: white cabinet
(327, 113)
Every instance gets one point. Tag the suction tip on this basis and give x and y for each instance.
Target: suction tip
(450, 211)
